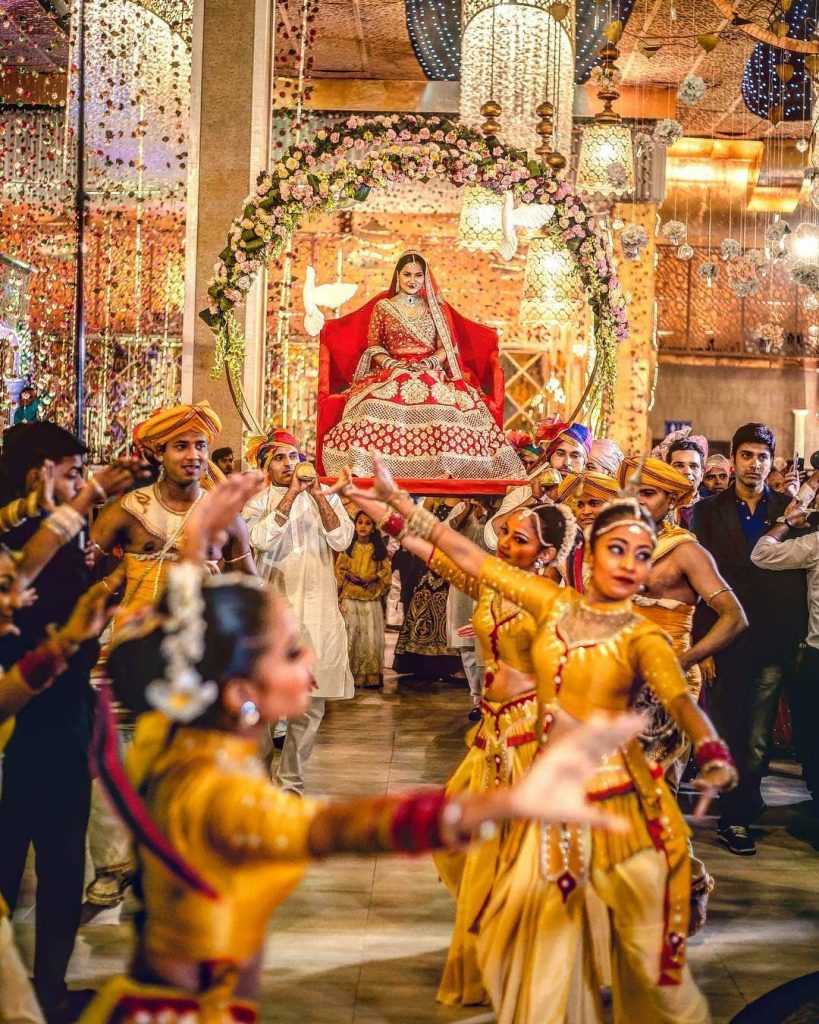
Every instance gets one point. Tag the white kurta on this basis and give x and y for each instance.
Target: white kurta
(295, 557)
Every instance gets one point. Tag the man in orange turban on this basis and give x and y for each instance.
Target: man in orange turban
(145, 528)
(683, 573)
(152, 435)
(660, 476)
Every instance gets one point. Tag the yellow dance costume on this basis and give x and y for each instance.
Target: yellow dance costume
(249, 843)
(501, 749)
(591, 658)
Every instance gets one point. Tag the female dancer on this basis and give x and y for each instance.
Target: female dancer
(38, 668)
(225, 656)
(591, 652)
(503, 745)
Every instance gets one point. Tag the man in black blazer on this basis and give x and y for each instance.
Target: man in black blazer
(751, 670)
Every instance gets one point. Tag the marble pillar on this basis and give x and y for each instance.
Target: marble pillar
(231, 101)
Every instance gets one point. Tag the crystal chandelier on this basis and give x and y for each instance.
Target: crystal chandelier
(519, 54)
(605, 165)
(551, 285)
(480, 228)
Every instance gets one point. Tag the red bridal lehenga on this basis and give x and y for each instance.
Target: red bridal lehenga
(425, 419)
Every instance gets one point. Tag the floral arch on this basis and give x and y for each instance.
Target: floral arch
(344, 161)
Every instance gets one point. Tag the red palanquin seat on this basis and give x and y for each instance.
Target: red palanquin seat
(340, 350)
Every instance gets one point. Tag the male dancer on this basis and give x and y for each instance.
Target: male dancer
(295, 525)
(145, 527)
(683, 573)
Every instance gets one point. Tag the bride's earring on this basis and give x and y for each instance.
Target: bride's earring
(539, 566)
(249, 713)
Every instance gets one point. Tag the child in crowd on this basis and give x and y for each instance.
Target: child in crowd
(364, 574)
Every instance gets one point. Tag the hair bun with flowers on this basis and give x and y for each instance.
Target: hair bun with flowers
(182, 694)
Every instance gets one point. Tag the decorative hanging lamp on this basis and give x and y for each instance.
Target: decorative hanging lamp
(605, 165)
(551, 284)
(480, 228)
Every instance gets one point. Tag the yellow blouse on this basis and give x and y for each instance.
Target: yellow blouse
(362, 564)
(595, 656)
(504, 630)
(209, 795)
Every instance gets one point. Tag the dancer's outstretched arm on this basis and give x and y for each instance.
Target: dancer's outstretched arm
(384, 495)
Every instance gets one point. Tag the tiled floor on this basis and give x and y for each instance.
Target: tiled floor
(363, 941)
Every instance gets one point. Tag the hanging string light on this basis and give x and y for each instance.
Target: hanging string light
(606, 161)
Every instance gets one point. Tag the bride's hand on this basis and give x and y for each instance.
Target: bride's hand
(554, 789)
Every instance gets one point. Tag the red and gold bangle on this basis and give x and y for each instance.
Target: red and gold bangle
(393, 524)
(712, 753)
(38, 667)
(416, 823)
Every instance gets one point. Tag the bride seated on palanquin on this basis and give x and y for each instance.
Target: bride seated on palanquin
(413, 397)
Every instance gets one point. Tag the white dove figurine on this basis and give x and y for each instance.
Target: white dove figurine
(527, 215)
(331, 296)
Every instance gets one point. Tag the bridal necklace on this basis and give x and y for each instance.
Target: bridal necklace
(408, 301)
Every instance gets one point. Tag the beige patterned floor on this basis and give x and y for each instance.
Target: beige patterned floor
(363, 941)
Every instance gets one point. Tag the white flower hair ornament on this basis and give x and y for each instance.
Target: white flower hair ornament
(182, 694)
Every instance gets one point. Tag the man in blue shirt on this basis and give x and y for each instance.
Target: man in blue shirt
(752, 669)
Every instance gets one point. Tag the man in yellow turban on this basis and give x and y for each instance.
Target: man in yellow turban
(586, 494)
(145, 528)
(683, 573)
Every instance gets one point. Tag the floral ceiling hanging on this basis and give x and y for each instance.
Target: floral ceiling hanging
(519, 55)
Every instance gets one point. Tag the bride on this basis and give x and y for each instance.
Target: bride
(411, 398)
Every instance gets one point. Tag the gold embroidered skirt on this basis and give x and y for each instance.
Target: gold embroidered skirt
(501, 749)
